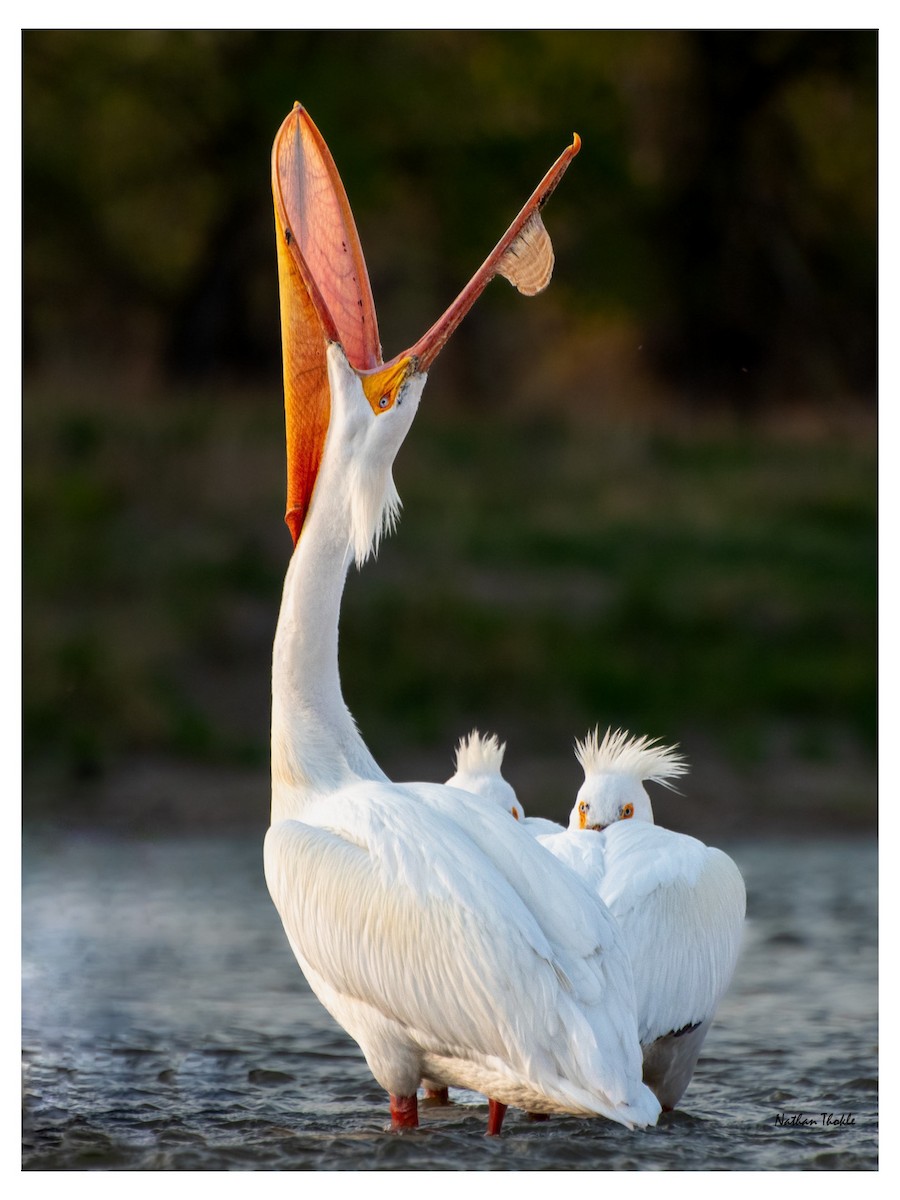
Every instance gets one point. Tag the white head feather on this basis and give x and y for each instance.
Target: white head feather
(614, 771)
(640, 757)
(478, 762)
(476, 754)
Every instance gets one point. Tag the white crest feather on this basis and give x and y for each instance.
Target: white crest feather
(640, 757)
(476, 754)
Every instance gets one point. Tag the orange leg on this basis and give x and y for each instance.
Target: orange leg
(438, 1095)
(404, 1112)
(496, 1113)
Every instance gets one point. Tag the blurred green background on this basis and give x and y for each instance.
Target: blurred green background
(645, 498)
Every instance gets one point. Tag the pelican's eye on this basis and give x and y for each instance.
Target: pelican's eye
(582, 807)
(384, 385)
(626, 811)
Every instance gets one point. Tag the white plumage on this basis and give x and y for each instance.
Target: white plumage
(680, 904)
(432, 927)
(618, 759)
(422, 922)
(478, 763)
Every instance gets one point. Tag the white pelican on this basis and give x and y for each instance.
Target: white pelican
(478, 762)
(479, 759)
(680, 904)
(436, 932)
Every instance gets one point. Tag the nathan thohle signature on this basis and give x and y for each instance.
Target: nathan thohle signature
(803, 1119)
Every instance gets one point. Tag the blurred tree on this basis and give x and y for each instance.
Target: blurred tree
(725, 200)
(761, 248)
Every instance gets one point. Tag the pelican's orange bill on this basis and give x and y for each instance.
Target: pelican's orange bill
(326, 296)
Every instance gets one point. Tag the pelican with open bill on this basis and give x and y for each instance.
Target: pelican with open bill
(447, 942)
(326, 295)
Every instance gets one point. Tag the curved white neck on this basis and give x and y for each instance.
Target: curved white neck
(316, 747)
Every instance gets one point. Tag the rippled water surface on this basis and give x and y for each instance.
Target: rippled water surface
(167, 1027)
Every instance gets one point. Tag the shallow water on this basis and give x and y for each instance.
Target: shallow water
(167, 1027)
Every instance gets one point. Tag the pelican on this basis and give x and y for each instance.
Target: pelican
(479, 759)
(478, 762)
(680, 904)
(446, 942)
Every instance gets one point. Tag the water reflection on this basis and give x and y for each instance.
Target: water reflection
(166, 1026)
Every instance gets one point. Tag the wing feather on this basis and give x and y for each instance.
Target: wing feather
(397, 895)
(681, 908)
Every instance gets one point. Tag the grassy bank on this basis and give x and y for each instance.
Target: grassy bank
(708, 580)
